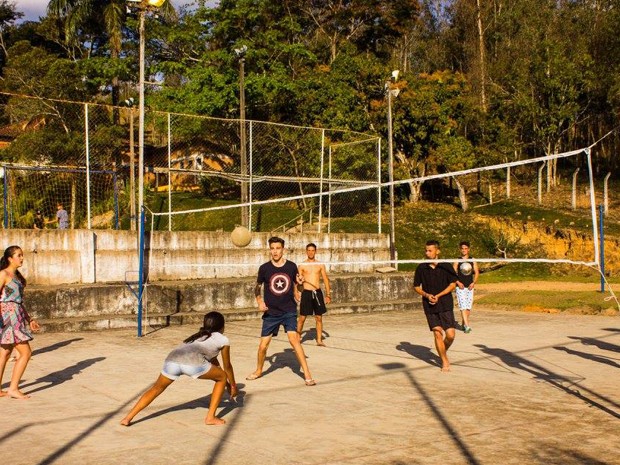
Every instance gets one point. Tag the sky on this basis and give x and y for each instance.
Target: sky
(32, 9)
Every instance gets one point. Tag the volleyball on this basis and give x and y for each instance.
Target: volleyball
(241, 236)
(465, 268)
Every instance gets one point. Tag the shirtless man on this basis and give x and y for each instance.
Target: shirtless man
(312, 302)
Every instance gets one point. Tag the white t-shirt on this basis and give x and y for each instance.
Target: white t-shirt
(198, 352)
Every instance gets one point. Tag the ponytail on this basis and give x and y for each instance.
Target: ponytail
(4, 262)
(213, 323)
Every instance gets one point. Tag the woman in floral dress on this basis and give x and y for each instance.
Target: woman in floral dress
(16, 325)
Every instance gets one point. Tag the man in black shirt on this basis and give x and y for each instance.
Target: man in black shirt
(435, 283)
(278, 303)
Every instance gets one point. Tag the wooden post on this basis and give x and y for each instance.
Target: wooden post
(508, 182)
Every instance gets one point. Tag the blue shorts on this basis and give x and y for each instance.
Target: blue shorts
(271, 323)
(173, 370)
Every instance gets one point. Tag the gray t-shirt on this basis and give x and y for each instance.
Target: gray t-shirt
(198, 352)
(63, 219)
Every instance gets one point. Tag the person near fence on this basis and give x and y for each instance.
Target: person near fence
(279, 306)
(312, 301)
(468, 273)
(62, 217)
(196, 357)
(435, 282)
(39, 221)
(17, 324)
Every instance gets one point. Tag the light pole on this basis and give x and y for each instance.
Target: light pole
(245, 217)
(143, 6)
(391, 93)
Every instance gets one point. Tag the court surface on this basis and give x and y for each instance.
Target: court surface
(525, 388)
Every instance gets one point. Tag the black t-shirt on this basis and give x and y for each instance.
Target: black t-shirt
(38, 222)
(466, 277)
(433, 281)
(279, 282)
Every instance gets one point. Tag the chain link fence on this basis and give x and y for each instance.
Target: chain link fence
(200, 173)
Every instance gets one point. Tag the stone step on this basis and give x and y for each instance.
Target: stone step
(154, 321)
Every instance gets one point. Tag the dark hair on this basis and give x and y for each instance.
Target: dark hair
(312, 244)
(212, 323)
(4, 262)
(462, 243)
(274, 239)
(433, 242)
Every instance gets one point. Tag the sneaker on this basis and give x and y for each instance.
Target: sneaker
(467, 329)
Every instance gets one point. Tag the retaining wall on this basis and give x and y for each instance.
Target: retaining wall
(55, 257)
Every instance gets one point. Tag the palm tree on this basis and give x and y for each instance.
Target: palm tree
(84, 16)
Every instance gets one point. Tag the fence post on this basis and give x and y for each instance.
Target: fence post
(602, 239)
(321, 181)
(169, 176)
(87, 141)
(5, 197)
(379, 183)
(605, 193)
(540, 170)
(508, 182)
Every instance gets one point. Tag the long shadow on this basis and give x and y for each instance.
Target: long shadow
(55, 346)
(222, 442)
(554, 379)
(452, 433)
(595, 358)
(58, 377)
(420, 352)
(284, 359)
(202, 403)
(310, 335)
(58, 453)
(590, 341)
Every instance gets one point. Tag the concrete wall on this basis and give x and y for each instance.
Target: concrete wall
(54, 257)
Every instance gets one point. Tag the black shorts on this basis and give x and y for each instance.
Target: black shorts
(312, 303)
(444, 319)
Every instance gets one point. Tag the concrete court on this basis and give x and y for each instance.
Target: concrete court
(525, 388)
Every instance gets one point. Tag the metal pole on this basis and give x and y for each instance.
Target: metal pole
(601, 215)
(141, 271)
(606, 192)
(244, 160)
(142, 15)
(329, 188)
(87, 141)
(132, 174)
(5, 197)
(321, 182)
(250, 178)
(116, 213)
(169, 177)
(379, 216)
(593, 206)
(391, 176)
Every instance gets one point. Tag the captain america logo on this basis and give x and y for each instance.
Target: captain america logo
(279, 284)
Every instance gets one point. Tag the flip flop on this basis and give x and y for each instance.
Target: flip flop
(310, 382)
(252, 377)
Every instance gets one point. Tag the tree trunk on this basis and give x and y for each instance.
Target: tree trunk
(462, 195)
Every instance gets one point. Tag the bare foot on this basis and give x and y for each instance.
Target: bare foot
(445, 368)
(2, 394)
(215, 421)
(320, 343)
(17, 395)
(253, 376)
(125, 422)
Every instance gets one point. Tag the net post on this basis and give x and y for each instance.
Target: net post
(141, 270)
(593, 208)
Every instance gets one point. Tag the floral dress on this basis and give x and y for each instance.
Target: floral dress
(15, 327)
